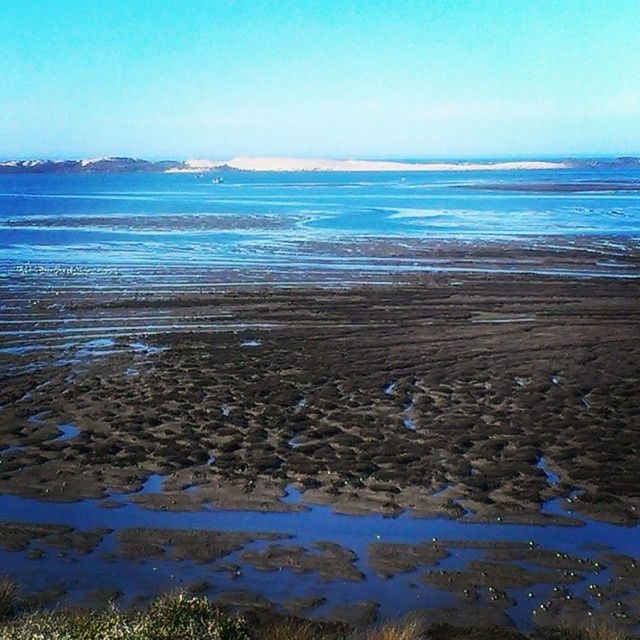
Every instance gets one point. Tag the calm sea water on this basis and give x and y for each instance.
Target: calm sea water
(269, 219)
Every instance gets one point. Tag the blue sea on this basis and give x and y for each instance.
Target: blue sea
(274, 222)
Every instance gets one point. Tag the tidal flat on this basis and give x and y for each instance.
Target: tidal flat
(451, 442)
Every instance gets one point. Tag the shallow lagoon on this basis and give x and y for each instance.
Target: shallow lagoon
(266, 220)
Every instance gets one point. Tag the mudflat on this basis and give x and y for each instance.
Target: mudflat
(440, 397)
(213, 435)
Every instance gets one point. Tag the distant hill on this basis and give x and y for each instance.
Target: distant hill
(90, 165)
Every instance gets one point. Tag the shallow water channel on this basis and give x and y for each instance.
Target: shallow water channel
(397, 595)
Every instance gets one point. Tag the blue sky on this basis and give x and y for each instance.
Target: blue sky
(344, 78)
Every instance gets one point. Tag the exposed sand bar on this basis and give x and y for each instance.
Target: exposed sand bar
(558, 187)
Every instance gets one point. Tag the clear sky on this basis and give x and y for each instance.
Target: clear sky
(342, 78)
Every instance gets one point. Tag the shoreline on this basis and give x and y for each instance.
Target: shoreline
(116, 164)
(333, 261)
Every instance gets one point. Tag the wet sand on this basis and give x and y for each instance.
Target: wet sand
(177, 223)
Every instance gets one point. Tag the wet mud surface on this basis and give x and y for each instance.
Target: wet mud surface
(179, 223)
(496, 374)
(199, 546)
(483, 400)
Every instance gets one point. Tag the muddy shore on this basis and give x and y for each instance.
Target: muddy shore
(501, 398)
(440, 397)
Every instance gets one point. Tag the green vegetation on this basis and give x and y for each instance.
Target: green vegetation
(169, 618)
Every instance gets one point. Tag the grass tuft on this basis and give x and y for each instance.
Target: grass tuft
(175, 617)
(601, 632)
(288, 630)
(8, 597)
(398, 631)
(297, 629)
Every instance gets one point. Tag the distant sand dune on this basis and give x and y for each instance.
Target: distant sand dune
(249, 163)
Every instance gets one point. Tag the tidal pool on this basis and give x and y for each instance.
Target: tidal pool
(399, 594)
